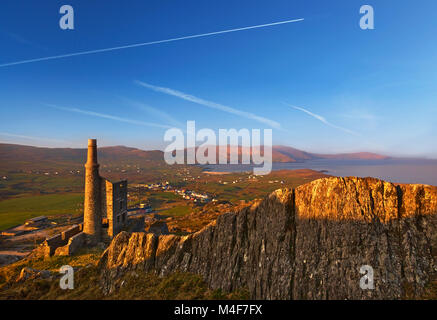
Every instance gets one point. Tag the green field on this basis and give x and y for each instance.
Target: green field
(16, 211)
(176, 211)
(21, 184)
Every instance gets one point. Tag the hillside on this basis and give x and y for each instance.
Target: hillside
(303, 243)
(11, 154)
(298, 155)
(28, 157)
(284, 154)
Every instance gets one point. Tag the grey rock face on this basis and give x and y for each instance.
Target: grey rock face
(29, 273)
(307, 243)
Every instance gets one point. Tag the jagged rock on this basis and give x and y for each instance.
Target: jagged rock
(307, 243)
(6, 259)
(157, 228)
(343, 224)
(29, 273)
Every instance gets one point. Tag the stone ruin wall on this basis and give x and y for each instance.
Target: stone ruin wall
(119, 195)
(105, 206)
(64, 243)
(114, 205)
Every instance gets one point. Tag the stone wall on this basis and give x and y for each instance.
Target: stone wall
(67, 234)
(307, 243)
(107, 210)
(114, 205)
(119, 205)
(74, 244)
(51, 246)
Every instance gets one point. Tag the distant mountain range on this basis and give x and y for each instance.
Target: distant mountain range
(12, 153)
(290, 154)
(286, 154)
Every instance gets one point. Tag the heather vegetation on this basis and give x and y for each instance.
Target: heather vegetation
(134, 285)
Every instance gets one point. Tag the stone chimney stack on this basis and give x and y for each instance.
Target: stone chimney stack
(92, 218)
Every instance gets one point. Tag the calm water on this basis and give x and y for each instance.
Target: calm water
(393, 170)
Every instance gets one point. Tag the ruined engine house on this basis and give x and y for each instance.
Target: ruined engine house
(105, 206)
(105, 212)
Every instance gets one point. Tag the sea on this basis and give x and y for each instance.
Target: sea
(422, 171)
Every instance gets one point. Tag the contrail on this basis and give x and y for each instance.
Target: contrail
(146, 43)
(153, 111)
(108, 116)
(13, 135)
(322, 119)
(210, 104)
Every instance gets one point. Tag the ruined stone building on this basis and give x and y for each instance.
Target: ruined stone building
(105, 208)
(105, 211)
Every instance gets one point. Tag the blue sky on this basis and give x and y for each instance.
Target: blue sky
(353, 90)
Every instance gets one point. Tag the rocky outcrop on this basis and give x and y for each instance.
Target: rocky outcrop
(307, 243)
(155, 224)
(29, 273)
(343, 224)
(6, 259)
